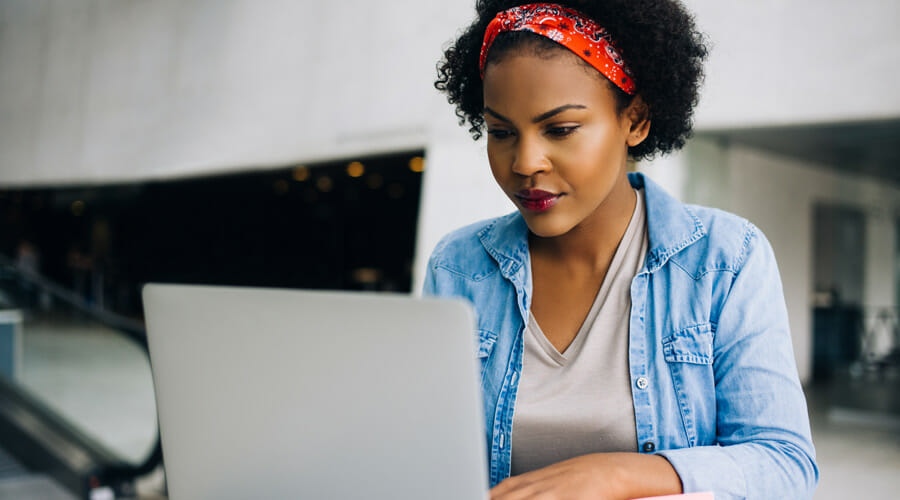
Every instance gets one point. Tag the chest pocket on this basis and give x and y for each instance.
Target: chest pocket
(689, 356)
(692, 345)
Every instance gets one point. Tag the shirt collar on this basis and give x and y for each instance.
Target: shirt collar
(671, 227)
(506, 240)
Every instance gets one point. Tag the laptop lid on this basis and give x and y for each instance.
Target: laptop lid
(266, 393)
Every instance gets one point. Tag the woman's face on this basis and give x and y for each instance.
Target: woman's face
(556, 144)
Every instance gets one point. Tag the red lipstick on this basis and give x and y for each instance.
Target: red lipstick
(537, 200)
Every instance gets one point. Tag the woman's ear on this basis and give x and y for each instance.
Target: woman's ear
(638, 114)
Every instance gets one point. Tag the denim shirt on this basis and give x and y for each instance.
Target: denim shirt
(714, 381)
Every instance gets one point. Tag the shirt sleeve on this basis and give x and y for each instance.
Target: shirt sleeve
(429, 287)
(764, 449)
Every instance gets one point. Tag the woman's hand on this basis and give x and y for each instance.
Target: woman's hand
(599, 476)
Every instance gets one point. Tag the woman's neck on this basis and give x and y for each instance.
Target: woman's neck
(592, 243)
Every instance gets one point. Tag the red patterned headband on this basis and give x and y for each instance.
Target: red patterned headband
(568, 27)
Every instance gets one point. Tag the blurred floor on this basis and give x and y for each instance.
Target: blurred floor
(101, 381)
(856, 431)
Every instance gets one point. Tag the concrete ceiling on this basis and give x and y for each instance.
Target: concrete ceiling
(870, 148)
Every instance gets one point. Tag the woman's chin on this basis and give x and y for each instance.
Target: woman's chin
(544, 225)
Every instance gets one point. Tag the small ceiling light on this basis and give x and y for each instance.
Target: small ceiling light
(301, 173)
(355, 169)
(417, 164)
(78, 208)
(324, 183)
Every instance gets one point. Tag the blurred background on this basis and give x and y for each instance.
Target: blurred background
(302, 145)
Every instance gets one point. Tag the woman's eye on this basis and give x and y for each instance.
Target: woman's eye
(561, 131)
(497, 133)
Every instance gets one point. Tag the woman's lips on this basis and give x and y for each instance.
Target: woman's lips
(537, 200)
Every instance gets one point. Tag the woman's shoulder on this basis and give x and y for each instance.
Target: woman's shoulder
(721, 224)
(697, 238)
(727, 241)
(465, 250)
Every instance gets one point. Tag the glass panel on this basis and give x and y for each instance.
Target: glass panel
(94, 376)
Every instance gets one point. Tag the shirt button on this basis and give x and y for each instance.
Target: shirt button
(642, 383)
(649, 447)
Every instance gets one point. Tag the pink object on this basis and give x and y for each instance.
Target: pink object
(687, 496)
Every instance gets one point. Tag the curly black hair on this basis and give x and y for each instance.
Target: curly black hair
(657, 38)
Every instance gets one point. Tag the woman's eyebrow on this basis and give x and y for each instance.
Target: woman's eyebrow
(543, 116)
(496, 115)
(539, 118)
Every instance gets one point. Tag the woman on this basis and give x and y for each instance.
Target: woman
(630, 345)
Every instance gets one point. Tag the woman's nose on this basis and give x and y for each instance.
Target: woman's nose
(530, 158)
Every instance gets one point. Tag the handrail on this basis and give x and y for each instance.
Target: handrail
(132, 329)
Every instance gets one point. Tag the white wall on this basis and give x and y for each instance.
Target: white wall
(111, 90)
(799, 61)
(778, 194)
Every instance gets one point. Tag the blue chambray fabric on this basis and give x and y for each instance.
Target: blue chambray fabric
(714, 381)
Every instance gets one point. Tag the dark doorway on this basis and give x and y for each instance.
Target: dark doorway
(839, 263)
(341, 225)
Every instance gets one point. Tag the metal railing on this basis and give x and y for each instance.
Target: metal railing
(19, 411)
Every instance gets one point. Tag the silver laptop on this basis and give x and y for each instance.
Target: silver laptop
(278, 394)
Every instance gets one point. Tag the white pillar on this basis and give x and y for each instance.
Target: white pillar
(457, 189)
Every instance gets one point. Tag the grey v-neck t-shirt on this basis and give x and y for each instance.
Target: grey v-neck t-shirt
(579, 401)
